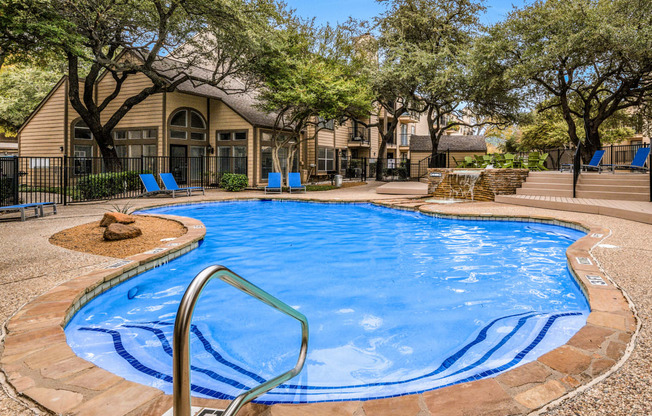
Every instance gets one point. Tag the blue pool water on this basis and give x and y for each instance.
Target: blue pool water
(398, 302)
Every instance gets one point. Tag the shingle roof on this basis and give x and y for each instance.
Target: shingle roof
(454, 143)
(242, 103)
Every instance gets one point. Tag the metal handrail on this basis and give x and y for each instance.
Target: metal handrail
(181, 342)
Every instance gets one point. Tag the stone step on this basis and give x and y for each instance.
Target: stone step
(623, 196)
(544, 192)
(612, 188)
(545, 179)
(611, 180)
(537, 185)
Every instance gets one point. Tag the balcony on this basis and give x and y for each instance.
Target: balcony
(359, 137)
(409, 117)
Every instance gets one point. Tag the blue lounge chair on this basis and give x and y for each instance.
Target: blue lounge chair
(637, 164)
(273, 183)
(594, 163)
(170, 184)
(294, 182)
(37, 206)
(151, 186)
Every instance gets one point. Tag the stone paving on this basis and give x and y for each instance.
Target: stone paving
(43, 372)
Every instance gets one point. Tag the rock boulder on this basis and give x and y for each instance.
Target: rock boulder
(116, 217)
(118, 231)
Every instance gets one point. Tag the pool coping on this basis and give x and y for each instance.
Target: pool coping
(39, 364)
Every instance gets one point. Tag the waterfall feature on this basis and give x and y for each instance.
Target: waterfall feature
(462, 183)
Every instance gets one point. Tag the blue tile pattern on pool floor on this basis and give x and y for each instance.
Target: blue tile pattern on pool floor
(398, 302)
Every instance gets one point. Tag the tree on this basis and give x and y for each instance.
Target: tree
(310, 78)
(22, 87)
(588, 58)
(162, 40)
(431, 43)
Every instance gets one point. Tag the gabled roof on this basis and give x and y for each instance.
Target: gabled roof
(454, 143)
(243, 103)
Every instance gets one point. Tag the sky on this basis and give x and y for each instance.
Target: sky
(334, 11)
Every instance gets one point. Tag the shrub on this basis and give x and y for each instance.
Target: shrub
(234, 182)
(7, 191)
(106, 185)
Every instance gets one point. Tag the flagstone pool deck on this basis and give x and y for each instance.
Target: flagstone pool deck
(603, 370)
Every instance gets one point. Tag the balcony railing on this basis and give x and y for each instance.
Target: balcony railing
(410, 115)
(359, 135)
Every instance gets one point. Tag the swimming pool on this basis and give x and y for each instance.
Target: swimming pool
(398, 302)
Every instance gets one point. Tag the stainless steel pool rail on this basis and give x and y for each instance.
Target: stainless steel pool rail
(181, 341)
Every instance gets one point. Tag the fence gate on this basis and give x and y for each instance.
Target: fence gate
(9, 181)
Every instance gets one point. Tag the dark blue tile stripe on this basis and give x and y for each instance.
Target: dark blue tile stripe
(133, 361)
(216, 355)
(119, 347)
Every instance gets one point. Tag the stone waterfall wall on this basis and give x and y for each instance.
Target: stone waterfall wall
(491, 182)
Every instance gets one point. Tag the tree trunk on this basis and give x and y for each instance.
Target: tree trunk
(379, 160)
(109, 155)
(592, 141)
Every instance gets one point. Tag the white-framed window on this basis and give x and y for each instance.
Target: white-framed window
(326, 159)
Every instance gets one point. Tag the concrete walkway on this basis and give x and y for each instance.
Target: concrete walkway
(30, 266)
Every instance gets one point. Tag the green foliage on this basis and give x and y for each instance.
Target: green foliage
(586, 59)
(234, 182)
(7, 191)
(125, 208)
(22, 87)
(107, 185)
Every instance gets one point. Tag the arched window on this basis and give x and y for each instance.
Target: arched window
(82, 132)
(187, 123)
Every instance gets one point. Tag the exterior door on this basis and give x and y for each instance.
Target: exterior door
(179, 163)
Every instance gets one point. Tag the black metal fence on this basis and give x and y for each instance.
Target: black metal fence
(77, 179)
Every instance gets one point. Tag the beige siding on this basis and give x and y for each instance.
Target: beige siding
(43, 135)
(146, 114)
(342, 135)
(222, 117)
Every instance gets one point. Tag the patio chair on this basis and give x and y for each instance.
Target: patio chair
(170, 184)
(533, 161)
(294, 182)
(499, 160)
(542, 161)
(510, 161)
(638, 164)
(274, 183)
(460, 164)
(151, 186)
(594, 163)
(37, 206)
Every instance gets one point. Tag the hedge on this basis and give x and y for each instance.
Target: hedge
(106, 185)
(234, 182)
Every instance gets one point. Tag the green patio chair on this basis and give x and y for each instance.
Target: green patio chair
(542, 162)
(533, 161)
(509, 161)
(499, 160)
(460, 164)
